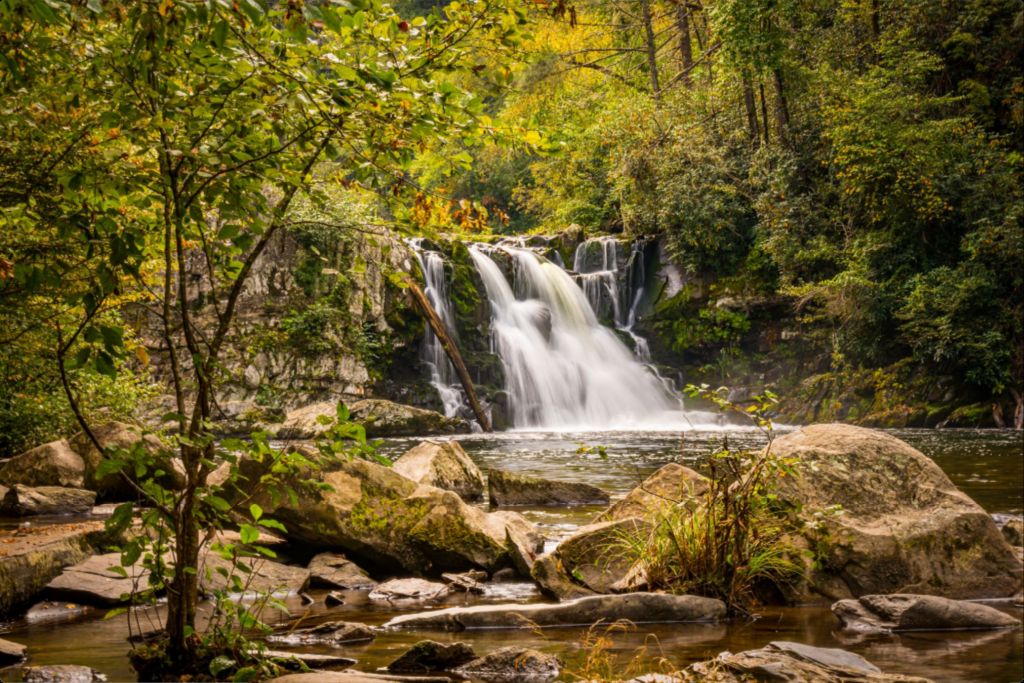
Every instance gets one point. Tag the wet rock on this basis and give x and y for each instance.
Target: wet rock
(513, 664)
(904, 527)
(792, 662)
(263, 575)
(554, 581)
(507, 489)
(383, 418)
(32, 557)
(443, 464)
(23, 501)
(639, 608)
(598, 556)
(113, 434)
(523, 540)
(670, 485)
(11, 652)
(409, 589)
(93, 582)
(328, 633)
(349, 676)
(884, 613)
(52, 464)
(298, 660)
(1013, 531)
(331, 570)
(468, 582)
(430, 655)
(505, 575)
(386, 522)
(62, 673)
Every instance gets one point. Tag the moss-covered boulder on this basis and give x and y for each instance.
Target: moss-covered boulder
(443, 464)
(903, 526)
(512, 489)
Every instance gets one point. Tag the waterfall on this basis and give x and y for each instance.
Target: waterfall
(442, 374)
(563, 369)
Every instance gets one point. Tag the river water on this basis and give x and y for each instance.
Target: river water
(988, 465)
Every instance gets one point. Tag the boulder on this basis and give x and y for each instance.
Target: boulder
(409, 589)
(331, 570)
(93, 582)
(513, 663)
(113, 434)
(430, 655)
(387, 522)
(523, 540)
(904, 527)
(14, 653)
(671, 484)
(1013, 531)
(554, 581)
(23, 501)
(639, 608)
(331, 633)
(380, 418)
(350, 676)
(301, 661)
(793, 662)
(443, 464)
(62, 673)
(886, 613)
(506, 489)
(467, 582)
(263, 575)
(33, 556)
(596, 558)
(52, 464)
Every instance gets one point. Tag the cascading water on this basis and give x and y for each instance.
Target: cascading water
(442, 374)
(563, 369)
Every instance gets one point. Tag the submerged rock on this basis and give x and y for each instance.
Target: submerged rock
(11, 652)
(331, 570)
(884, 613)
(429, 655)
(904, 527)
(409, 589)
(793, 662)
(32, 557)
(23, 501)
(328, 633)
(62, 673)
(513, 663)
(510, 489)
(443, 464)
(52, 464)
(670, 485)
(467, 582)
(639, 608)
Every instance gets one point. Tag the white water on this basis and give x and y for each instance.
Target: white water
(563, 369)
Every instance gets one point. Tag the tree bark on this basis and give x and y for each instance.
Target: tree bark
(448, 344)
(781, 106)
(685, 47)
(652, 61)
(764, 112)
(751, 108)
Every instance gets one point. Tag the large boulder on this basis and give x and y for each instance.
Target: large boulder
(596, 557)
(639, 608)
(887, 613)
(52, 464)
(94, 581)
(331, 633)
(670, 485)
(443, 464)
(32, 557)
(430, 655)
(386, 522)
(513, 664)
(23, 501)
(510, 489)
(380, 418)
(115, 485)
(331, 570)
(903, 528)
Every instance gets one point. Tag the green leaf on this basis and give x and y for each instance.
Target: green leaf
(256, 511)
(249, 533)
(219, 665)
(273, 524)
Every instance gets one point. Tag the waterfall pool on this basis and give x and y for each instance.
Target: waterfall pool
(988, 465)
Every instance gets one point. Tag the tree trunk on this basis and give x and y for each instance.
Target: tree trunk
(448, 344)
(751, 107)
(685, 48)
(183, 590)
(781, 106)
(652, 61)
(764, 112)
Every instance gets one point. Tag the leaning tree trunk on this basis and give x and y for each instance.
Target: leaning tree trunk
(751, 109)
(685, 46)
(652, 57)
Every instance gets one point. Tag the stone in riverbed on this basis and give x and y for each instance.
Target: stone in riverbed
(639, 608)
(331, 570)
(266, 575)
(93, 582)
(510, 489)
(62, 673)
(443, 464)
(904, 526)
(513, 664)
(429, 655)
(598, 556)
(328, 633)
(350, 676)
(23, 501)
(553, 581)
(297, 660)
(885, 613)
(380, 418)
(52, 464)
(11, 652)
(114, 486)
(409, 589)
(670, 485)
(1013, 531)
